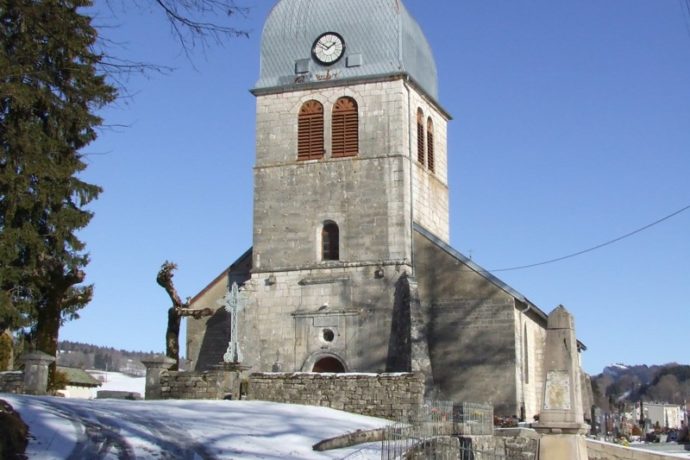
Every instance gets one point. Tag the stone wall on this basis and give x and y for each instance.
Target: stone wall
(430, 189)
(392, 396)
(507, 444)
(207, 338)
(479, 330)
(366, 195)
(205, 385)
(603, 451)
(286, 323)
(12, 382)
(471, 330)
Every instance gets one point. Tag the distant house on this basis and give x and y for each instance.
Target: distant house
(663, 415)
(80, 384)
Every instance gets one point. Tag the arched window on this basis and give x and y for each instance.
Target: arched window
(329, 365)
(430, 144)
(330, 241)
(526, 353)
(345, 128)
(420, 136)
(310, 131)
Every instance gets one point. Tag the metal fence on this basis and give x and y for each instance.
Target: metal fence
(473, 419)
(433, 432)
(469, 452)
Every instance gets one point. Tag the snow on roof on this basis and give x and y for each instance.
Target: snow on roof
(78, 377)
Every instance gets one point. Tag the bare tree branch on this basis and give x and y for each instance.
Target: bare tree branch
(178, 310)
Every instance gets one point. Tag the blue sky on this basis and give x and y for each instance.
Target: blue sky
(571, 127)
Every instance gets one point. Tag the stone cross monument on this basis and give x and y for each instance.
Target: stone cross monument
(232, 304)
(561, 421)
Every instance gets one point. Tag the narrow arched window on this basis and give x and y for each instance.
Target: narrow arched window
(330, 241)
(420, 136)
(310, 131)
(526, 354)
(345, 128)
(430, 144)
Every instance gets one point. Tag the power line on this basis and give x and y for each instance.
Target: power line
(594, 248)
(685, 7)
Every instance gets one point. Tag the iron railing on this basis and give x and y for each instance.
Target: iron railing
(433, 432)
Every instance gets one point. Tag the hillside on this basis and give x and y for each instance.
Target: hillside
(620, 384)
(86, 356)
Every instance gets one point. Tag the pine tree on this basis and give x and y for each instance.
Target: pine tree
(50, 89)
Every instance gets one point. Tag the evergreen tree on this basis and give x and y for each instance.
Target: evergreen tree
(49, 91)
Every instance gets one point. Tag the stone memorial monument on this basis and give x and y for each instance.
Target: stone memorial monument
(232, 304)
(561, 421)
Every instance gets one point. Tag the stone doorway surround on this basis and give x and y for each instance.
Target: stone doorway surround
(325, 362)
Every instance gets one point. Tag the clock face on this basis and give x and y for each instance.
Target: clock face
(328, 48)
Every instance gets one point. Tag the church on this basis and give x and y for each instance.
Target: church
(351, 268)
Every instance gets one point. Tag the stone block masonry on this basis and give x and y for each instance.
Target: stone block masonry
(206, 385)
(12, 382)
(603, 451)
(391, 396)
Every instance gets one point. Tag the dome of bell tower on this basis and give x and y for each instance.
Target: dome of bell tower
(381, 39)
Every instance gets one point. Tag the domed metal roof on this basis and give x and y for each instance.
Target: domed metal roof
(381, 39)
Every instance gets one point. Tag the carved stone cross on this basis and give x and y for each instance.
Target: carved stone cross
(233, 303)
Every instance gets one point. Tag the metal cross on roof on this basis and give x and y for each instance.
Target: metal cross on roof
(233, 303)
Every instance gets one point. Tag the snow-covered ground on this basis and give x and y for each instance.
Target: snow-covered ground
(114, 429)
(116, 381)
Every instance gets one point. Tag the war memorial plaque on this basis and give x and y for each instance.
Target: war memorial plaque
(557, 395)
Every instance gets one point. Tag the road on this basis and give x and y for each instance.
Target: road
(108, 434)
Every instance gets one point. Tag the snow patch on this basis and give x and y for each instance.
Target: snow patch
(185, 429)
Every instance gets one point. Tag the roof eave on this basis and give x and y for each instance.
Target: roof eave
(279, 89)
(479, 270)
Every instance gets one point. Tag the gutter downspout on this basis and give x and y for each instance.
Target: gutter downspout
(409, 157)
(521, 314)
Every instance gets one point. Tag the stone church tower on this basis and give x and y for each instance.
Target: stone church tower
(339, 182)
(351, 268)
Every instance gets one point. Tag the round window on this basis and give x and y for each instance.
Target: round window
(328, 335)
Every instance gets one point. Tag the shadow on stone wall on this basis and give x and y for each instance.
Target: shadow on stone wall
(215, 343)
(472, 361)
(400, 343)
(470, 330)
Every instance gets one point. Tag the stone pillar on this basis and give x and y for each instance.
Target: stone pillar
(419, 360)
(36, 372)
(561, 421)
(154, 368)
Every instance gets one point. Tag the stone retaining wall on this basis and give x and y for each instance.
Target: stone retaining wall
(194, 385)
(603, 451)
(391, 396)
(12, 382)
(509, 444)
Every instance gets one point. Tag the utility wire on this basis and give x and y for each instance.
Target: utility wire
(594, 248)
(685, 7)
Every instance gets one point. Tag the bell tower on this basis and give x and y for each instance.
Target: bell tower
(350, 153)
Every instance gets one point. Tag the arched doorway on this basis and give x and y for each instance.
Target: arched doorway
(329, 364)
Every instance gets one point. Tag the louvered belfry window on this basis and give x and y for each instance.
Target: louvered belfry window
(330, 241)
(310, 131)
(430, 144)
(420, 136)
(345, 128)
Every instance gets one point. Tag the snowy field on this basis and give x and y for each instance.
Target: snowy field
(117, 381)
(205, 430)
